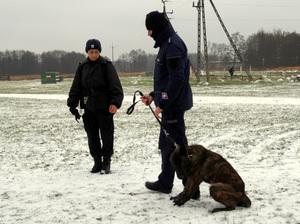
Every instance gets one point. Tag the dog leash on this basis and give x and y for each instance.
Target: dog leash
(131, 109)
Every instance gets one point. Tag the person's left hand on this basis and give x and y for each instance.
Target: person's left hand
(158, 110)
(112, 109)
(75, 112)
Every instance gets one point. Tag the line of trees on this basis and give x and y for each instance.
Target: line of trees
(260, 50)
(20, 62)
(275, 49)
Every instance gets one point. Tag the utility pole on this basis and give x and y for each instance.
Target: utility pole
(198, 7)
(165, 11)
(205, 42)
(201, 15)
(112, 53)
(201, 11)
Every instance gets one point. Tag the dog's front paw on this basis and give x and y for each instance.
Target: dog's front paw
(175, 197)
(178, 202)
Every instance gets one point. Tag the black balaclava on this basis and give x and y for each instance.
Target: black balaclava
(156, 22)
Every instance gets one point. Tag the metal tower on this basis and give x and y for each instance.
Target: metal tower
(199, 6)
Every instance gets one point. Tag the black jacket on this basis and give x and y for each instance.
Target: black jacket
(96, 85)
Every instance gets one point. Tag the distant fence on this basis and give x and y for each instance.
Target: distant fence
(229, 77)
(148, 73)
(4, 77)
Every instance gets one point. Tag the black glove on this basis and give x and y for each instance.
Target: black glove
(74, 111)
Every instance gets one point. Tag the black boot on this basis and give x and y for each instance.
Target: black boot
(156, 186)
(106, 165)
(97, 165)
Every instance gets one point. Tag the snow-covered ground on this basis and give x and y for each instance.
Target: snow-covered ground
(45, 164)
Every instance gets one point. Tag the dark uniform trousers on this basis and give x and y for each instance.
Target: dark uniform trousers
(174, 125)
(99, 123)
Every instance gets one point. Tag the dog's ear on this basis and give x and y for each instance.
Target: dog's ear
(183, 150)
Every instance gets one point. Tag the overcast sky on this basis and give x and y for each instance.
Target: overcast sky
(46, 25)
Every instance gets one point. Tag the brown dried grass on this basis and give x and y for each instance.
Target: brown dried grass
(38, 76)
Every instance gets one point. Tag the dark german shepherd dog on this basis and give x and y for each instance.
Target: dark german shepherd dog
(198, 164)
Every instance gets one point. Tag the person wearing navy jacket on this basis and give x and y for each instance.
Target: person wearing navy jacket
(98, 90)
(172, 94)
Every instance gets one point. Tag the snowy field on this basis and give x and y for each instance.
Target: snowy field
(45, 164)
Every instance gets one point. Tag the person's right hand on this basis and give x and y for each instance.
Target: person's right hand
(147, 99)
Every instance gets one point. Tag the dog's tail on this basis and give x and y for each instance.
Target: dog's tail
(245, 201)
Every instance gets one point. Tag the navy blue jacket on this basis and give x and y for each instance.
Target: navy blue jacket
(172, 90)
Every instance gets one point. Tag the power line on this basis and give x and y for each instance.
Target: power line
(132, 35)
(269, 6)
(239, 5)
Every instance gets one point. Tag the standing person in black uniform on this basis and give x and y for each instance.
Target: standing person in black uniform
(97, 87)
(231, 71)
(172, 94)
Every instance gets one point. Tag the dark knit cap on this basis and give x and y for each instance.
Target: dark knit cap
(93, 44)
(156, 22)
